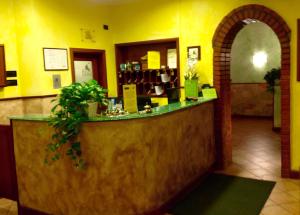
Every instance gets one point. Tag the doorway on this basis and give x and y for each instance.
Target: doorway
(87, 64)
(222, 43)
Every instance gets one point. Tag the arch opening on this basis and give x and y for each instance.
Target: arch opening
(222, 43)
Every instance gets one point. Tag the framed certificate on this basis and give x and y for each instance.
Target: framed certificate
(55, 59)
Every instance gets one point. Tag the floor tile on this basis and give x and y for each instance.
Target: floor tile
(275, 210)
(281, 198)
(293, 208)
(295, 194)
(256, 154)
(8, 207)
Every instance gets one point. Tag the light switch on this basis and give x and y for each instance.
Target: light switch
(56, 81)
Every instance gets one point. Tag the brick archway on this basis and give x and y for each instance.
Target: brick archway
(222, 42)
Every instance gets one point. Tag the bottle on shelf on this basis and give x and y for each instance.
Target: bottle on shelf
(172, 72)
(123, 67)
(129, 66)
(151, 88)
(172, 84)
(157, 73)
(136, 66)
(135, 80)
(142, 80)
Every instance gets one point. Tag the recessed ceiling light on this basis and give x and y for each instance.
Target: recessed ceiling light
(249, 21)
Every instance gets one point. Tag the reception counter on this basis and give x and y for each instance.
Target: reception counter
(136, 163)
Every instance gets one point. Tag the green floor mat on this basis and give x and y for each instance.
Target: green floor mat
(225, 195)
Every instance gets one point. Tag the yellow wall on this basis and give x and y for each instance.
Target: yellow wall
(34, 24)
(8, 38)
(29, 25)
(194, 22)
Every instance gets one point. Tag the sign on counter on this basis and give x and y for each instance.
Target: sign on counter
(210, 93)
(129, 97)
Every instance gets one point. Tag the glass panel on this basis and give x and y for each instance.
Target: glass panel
(83, 71)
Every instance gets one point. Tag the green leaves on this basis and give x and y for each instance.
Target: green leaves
(271, 76)
(67, 115)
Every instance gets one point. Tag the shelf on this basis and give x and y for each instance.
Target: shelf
(146, 79)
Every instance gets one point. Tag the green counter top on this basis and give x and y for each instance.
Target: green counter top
(155, 112)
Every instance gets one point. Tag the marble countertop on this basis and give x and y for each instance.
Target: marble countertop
(157, 111)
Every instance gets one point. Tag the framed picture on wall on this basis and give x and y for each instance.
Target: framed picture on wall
(194, 52)
(55, 59)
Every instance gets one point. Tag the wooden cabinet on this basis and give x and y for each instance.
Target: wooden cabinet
(147, 80)
(2, 67)
(8, 180)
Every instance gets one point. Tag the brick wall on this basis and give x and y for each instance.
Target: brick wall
(251, 100)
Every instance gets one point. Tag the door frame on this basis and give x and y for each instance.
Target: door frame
(102, 63)
(222, 43)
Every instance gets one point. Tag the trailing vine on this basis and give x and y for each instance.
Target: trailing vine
(66, 118)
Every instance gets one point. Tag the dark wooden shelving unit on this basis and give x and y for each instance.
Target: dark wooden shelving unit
(146, 79)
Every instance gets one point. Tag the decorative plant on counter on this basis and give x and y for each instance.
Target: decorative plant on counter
(191, 71)
(67, 115)
(272, 77)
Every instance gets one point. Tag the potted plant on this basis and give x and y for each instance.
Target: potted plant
(70, 110)
(272, 78)
(191, 81)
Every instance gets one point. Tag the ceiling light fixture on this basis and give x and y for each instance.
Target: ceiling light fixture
(260, 59)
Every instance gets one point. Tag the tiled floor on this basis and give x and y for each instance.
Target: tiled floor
(256, 154)
(8, 207)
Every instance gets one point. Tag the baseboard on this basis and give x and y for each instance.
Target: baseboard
(276, 129)
(295, 174)
(29, 211)
(180, 195)
(238, 116)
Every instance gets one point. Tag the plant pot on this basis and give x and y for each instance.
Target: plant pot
(92, 109)
(191, 88)
(277, 107)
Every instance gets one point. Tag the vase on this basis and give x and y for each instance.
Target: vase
(277, 107)
(92, 109)
(191, 88)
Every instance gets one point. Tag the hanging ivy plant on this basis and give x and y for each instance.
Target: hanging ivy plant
(67, 115)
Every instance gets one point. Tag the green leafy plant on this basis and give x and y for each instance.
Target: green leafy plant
(271, 77)
(66, 117)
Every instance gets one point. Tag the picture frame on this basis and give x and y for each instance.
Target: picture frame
(55, 59)
(194, 52)
(298, 49)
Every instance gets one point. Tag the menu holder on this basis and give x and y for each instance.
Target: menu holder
(130, 98)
